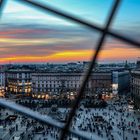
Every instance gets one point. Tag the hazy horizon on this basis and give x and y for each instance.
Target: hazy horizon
(31, 36)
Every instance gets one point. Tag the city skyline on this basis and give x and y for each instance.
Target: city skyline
(29, 36)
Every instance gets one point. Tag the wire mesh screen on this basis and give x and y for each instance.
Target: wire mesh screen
(105, 31)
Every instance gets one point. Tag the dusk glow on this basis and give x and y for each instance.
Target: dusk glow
(39, 37)
(70, 69)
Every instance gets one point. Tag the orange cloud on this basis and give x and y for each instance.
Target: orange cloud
(23, 49)
(78, 55)
(57, 57)
(119, 54)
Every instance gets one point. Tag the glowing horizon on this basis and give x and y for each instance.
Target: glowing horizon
(40, 37)
(69, 56)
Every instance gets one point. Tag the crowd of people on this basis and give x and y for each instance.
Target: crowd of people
(61, 103)
(114, 122)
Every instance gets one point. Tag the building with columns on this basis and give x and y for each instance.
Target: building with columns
(59, 83)
(19, 81)
(2, 83)
(46, 84)
(135, 87)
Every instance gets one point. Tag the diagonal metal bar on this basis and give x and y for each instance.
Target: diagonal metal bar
(85, 80)
(73, 18)
(30, 113)
(2, 4)
(39, 117)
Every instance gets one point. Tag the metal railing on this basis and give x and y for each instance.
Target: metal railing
(105, 31)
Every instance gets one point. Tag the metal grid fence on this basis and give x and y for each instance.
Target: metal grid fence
(105, 31)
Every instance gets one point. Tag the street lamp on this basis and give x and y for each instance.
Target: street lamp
(123, 129)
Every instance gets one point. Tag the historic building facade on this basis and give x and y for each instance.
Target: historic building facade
(19, 81)
(135, 87)
(43, 84)
(56, 83)
(2, 83)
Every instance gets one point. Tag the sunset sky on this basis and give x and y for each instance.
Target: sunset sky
(28, 35)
